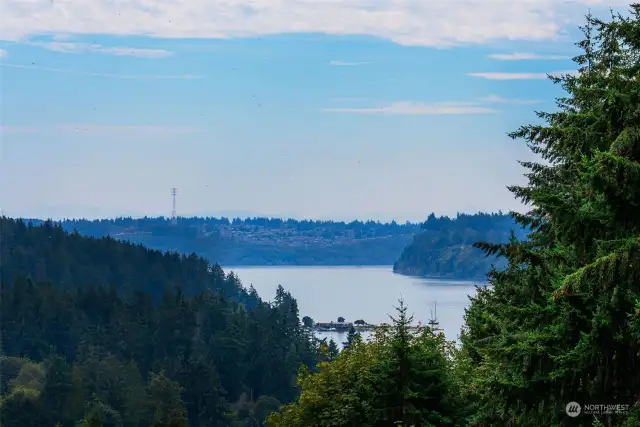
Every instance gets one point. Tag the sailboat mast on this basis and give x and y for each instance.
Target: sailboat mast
(433, 322)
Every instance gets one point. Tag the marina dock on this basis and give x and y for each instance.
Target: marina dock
(345, 327)
(361, 326)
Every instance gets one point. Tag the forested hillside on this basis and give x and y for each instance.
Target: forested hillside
(47, 252)
(260, 241)
(111, 334)
(445, 246)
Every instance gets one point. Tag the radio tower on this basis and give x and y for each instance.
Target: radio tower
(174, 218)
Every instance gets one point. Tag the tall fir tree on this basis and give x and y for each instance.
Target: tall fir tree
(353, 338)
(562, 321)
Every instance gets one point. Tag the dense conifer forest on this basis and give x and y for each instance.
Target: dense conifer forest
(444, 248)
(109, 333)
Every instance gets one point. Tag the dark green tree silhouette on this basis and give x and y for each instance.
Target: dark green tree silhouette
(561, 321)
(307, 321)
(353, 337)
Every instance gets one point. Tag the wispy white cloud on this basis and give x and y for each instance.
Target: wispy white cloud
(519, 76)
(108, 75)
(3, 53)
(347, 64)
(480, 106)
(409, 108)
(407, 22)
(495, 99)
(73, 47)
(509, 76)
(522, 56)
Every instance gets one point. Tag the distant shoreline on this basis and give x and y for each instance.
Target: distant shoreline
(462, 280)
(231, 266)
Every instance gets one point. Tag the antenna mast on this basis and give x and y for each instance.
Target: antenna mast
(174, 218)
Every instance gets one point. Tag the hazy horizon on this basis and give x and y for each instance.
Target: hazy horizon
(244, 214)
(300, 109)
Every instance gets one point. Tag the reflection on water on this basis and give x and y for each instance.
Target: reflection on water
(367, 293)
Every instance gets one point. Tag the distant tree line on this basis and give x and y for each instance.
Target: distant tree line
(445, 246)
(100, 227)
(441, 246)
(327, 242)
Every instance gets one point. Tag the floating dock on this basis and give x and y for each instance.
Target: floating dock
(433, 324)
(362, 328)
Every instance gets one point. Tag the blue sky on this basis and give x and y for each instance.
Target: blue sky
(385, 109)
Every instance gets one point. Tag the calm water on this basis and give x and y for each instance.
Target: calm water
(368, 293)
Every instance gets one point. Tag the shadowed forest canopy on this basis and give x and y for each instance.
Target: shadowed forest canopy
(112, 334)
(445, 246)
(47, 252)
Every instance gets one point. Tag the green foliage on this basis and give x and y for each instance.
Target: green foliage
(353, 338)
(562, 320)
(122, 356)
(399, 376)
(307, 321)
(445, 247)
(48, 253)
(102, 415)
(22, 408)
(18, 373)
(165, 404)
(56, 389)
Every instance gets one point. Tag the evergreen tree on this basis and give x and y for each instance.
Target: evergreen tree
(133, 395)
(415, 380)
(353, 337)
(100, 414)
(165, 403)
(56, 390)
(332, 349)
(106, 339)
(398, 376)
(22, 409)
(562, 319)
